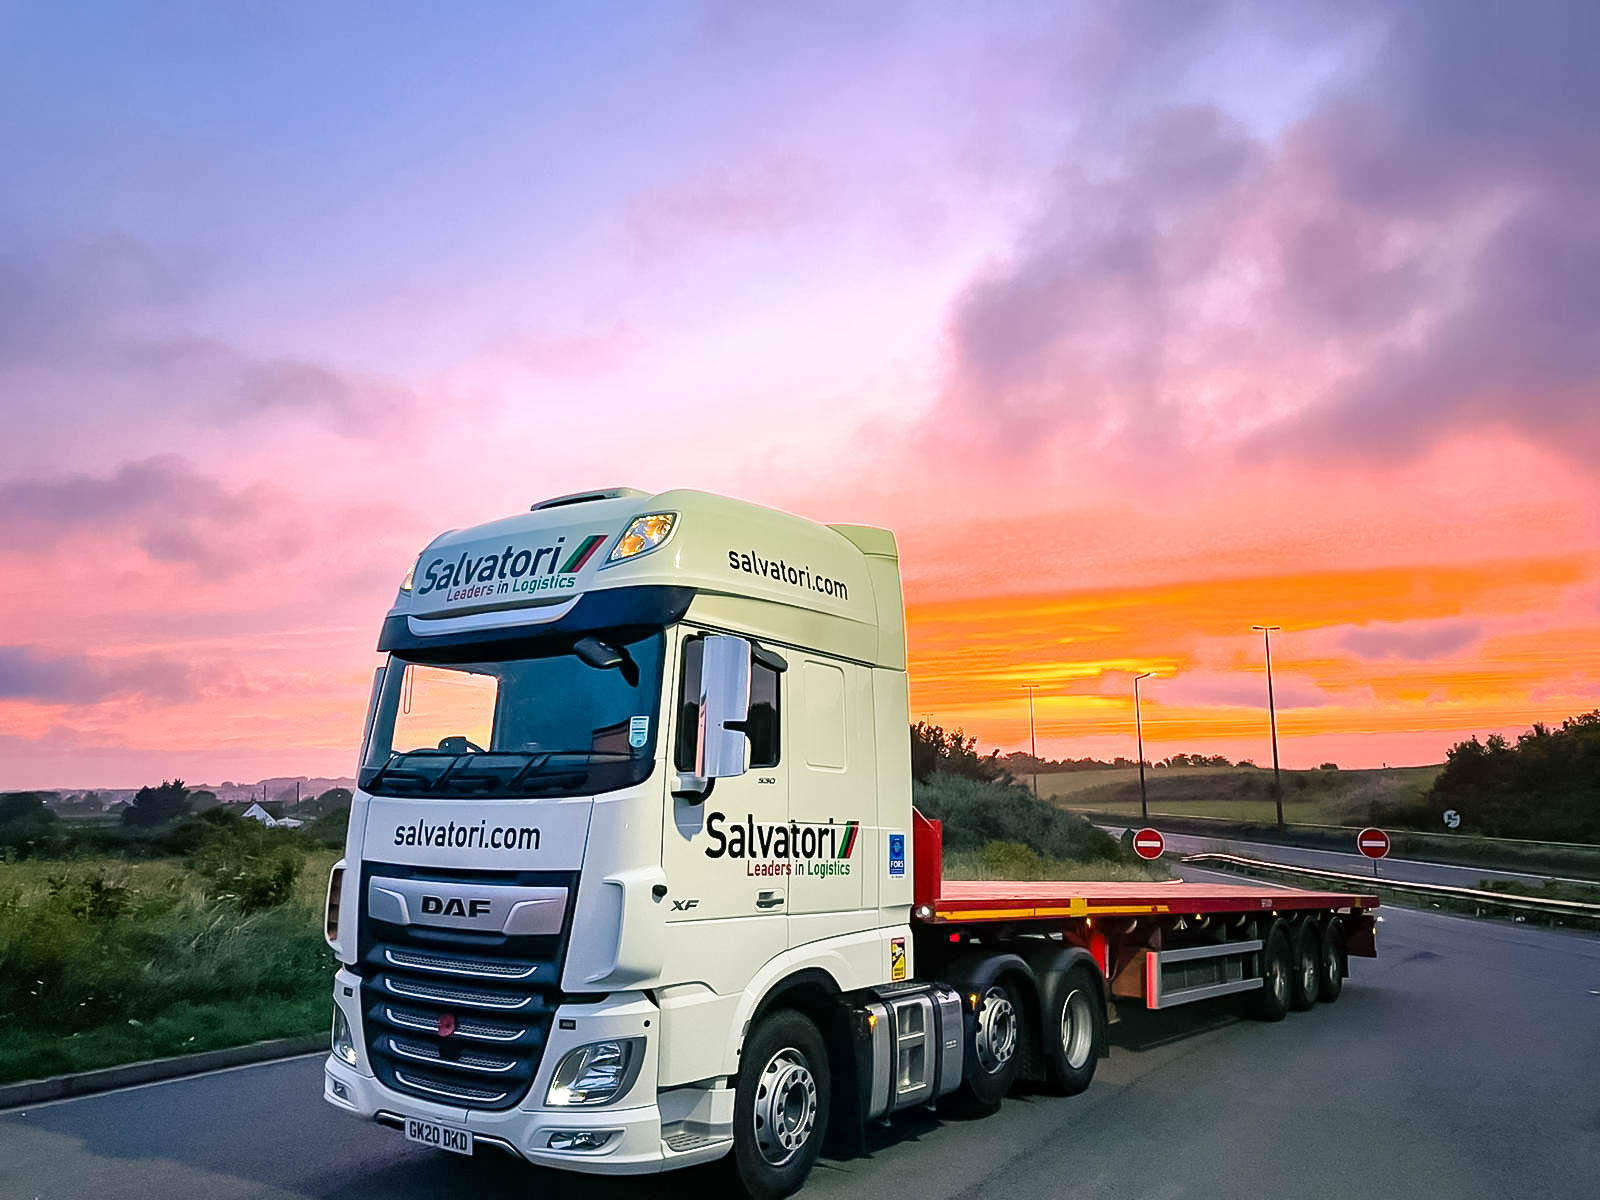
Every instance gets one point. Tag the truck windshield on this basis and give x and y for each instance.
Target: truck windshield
(575, 718)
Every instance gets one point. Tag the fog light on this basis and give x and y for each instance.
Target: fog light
(339, 1090)
(582, 1139)
(343, 1044)
(597, 1073)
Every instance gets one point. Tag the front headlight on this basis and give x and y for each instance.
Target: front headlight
(643, 535)
(343, 1044)
(597, 1073)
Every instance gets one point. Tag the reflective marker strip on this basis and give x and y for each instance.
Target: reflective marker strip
(1075, 910)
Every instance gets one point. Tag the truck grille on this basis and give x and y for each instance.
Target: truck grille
(495, 994)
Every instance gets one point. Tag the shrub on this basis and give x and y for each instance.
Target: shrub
(1010, 860)
(244, 862)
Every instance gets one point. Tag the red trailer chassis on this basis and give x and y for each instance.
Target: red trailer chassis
(1142, 935)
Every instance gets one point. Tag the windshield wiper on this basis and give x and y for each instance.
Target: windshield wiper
(389, 769)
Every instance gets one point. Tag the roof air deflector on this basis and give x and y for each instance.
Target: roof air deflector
(585, 497)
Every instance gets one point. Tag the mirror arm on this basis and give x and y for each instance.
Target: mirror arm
(769, 658)
(691, 796)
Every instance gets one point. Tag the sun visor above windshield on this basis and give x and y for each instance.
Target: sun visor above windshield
(750, 567)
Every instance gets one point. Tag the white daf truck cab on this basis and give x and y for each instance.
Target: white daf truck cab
(636, 770)
(629, 877)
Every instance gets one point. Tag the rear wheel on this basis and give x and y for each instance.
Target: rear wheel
(1271, 1003)
(1331, 981)
(994, 1049)
(780, 1105)
(1306, 979)
(1073, 1032)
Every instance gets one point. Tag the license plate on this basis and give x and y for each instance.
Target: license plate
(440, 1137)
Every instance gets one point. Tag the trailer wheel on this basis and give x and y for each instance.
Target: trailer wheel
(1331, 982)
(1271, 1003)
(780, 1105)
(1074, 1032)
(994, 1049)
(1306, 979)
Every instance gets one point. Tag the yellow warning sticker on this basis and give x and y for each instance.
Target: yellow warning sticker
(897, 959)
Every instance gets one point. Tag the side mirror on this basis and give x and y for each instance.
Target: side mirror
(724, 707)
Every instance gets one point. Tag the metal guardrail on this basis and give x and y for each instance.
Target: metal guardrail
(1128, 820)
(1543, 907)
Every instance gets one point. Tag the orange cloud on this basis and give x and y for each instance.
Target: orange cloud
(970, 659)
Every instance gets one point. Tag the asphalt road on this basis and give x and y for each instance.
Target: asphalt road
(1332, 860)
(1460, 1064)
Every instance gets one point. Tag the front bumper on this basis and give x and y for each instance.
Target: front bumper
(637, 1144)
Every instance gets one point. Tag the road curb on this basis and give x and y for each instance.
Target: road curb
(85, 1083)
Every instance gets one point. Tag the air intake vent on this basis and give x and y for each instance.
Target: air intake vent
(585, 497)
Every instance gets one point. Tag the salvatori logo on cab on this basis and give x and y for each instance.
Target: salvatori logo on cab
(792, 849)
(509, 571)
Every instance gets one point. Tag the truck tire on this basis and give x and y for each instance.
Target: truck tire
(995, 1038)
(1331, 982)
(1271, 1003)
(1074, 1031)
(1306, 979)
(780, 1105)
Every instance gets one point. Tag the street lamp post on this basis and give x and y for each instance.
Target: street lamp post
(1266, 632)
(1033, 745)
(1138, 732)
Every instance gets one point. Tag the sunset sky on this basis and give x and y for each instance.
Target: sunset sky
(1138, 323)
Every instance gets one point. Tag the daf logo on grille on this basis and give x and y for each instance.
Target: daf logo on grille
(454, 906)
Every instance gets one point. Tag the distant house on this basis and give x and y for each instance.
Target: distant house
(256, 813)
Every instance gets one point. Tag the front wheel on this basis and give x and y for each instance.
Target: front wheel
(780, 1106)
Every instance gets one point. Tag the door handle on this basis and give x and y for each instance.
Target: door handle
(769, 899)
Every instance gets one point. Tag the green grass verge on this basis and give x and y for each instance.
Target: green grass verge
(182, 1029)
(104, 962)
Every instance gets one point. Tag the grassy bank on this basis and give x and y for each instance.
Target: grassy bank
(106, 962)
(1391, 797)
(997, 830)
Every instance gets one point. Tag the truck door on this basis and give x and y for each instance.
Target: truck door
(726, 858)
(832, 797)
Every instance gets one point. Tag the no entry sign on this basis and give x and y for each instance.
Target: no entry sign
(1374, 843)
(1148, 843)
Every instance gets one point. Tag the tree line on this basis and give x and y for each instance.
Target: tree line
(1544, 786)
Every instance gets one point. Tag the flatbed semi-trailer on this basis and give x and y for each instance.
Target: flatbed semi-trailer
(633, 879)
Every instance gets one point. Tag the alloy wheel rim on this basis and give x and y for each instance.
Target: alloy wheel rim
(1077, 1028)
(786, 1106)
(996, 1039)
